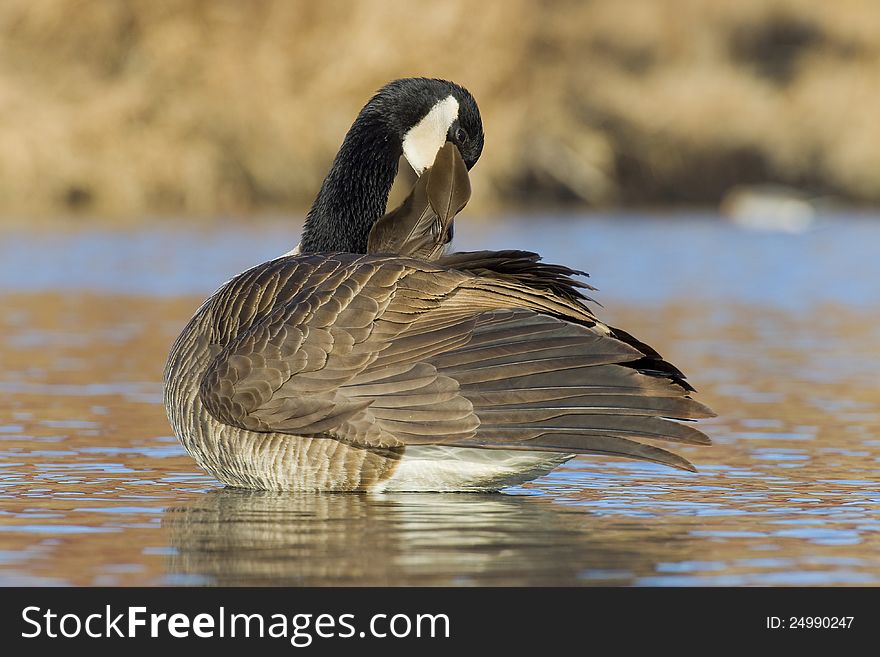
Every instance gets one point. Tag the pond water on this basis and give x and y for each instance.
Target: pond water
(779, 333)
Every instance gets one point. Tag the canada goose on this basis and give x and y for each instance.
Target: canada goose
(338, 369)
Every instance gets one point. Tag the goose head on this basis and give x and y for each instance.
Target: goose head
(427, 113)
(413, 117)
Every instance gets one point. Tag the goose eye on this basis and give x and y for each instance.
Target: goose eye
(461, 136)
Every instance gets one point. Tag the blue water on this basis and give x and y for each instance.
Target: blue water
(778, 332)
(631, 258)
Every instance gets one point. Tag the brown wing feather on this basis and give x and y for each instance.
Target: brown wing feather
(408, 229)
(524, 267)
(299, 367)
(422, 225)
(449, 186)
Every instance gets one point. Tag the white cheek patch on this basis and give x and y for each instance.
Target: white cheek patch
(421, 142)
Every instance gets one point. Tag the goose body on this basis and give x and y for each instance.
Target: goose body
(379, 363)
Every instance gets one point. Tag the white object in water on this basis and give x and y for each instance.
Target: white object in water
(776, 209)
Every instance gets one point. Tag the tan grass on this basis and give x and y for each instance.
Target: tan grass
(206, 107)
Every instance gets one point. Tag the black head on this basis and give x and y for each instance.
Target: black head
(424, 113)
(412, 116)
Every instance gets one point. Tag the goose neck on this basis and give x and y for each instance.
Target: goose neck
(355, 192)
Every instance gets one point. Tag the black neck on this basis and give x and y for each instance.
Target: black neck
(355, 192)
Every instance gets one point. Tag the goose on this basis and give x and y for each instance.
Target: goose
(368, 359)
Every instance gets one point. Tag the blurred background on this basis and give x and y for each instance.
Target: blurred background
(714, 164)
(133, 108)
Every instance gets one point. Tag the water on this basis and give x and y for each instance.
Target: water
(778, 332)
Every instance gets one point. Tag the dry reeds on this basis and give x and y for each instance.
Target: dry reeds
(216, 107)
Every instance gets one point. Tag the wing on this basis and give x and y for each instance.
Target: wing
(384, 352)
(313, 363)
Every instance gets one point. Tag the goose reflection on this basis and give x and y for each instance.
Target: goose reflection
(238, 537)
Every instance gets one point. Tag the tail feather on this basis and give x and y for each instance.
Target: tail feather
(600, 445)
(540, 383)
(530, 425)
